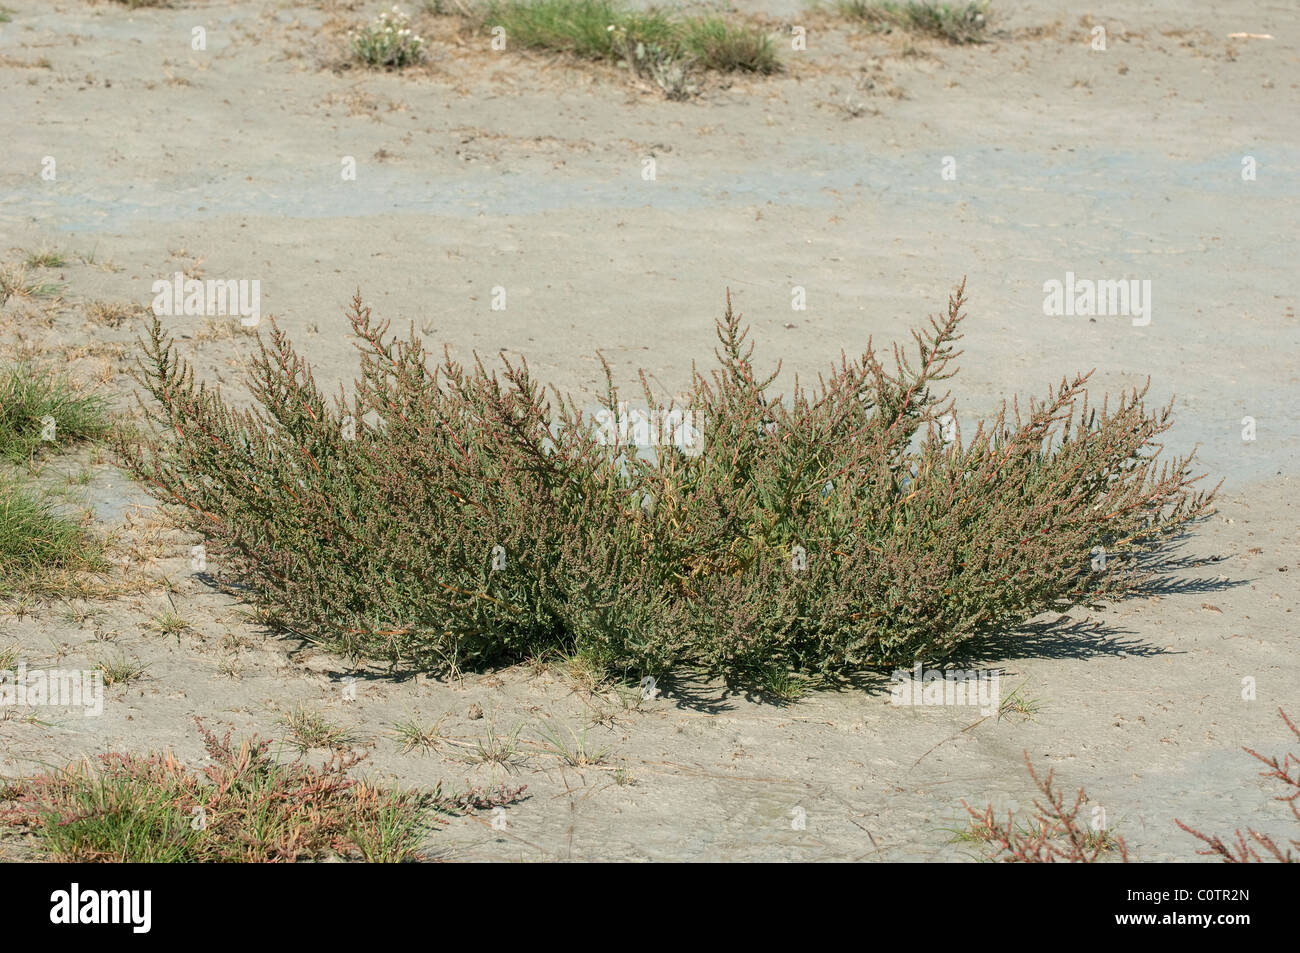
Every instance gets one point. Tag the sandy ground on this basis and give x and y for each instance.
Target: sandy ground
(501, 169)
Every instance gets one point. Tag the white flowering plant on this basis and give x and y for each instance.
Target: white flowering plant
(387, 42)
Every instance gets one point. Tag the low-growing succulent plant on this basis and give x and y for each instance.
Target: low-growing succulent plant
(448, 516)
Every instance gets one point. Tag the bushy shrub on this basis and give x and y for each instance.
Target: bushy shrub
(387, 42)
(455, 516)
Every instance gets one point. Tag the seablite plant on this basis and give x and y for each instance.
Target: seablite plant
(444, 516)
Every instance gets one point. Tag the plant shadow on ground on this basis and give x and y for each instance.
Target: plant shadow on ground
(1069, 637)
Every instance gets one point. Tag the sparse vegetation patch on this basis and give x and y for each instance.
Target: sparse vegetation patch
(954, 22)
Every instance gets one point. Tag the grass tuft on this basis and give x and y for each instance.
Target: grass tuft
(956, 23)
(310, 729)
(113, 314)
(244, 807)
(577, 751)
(45, 258)
(36, 543)
(119, 671)
(494, 748)
(42, 407)
(415, 735)
(169, 622)
(1019, 705)
(652, 43)
(16, 283)
(729, 48)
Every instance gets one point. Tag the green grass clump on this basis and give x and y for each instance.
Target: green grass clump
(169, 622)
(577, 751)
(45, 258)
(447, 517)
(578, 27)
(306, 729)
(648, 41)
(36, 543)
(956, 23)
(244, 807)
(119, 671)
(40, 407)
(416, 735)
(727, 47)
